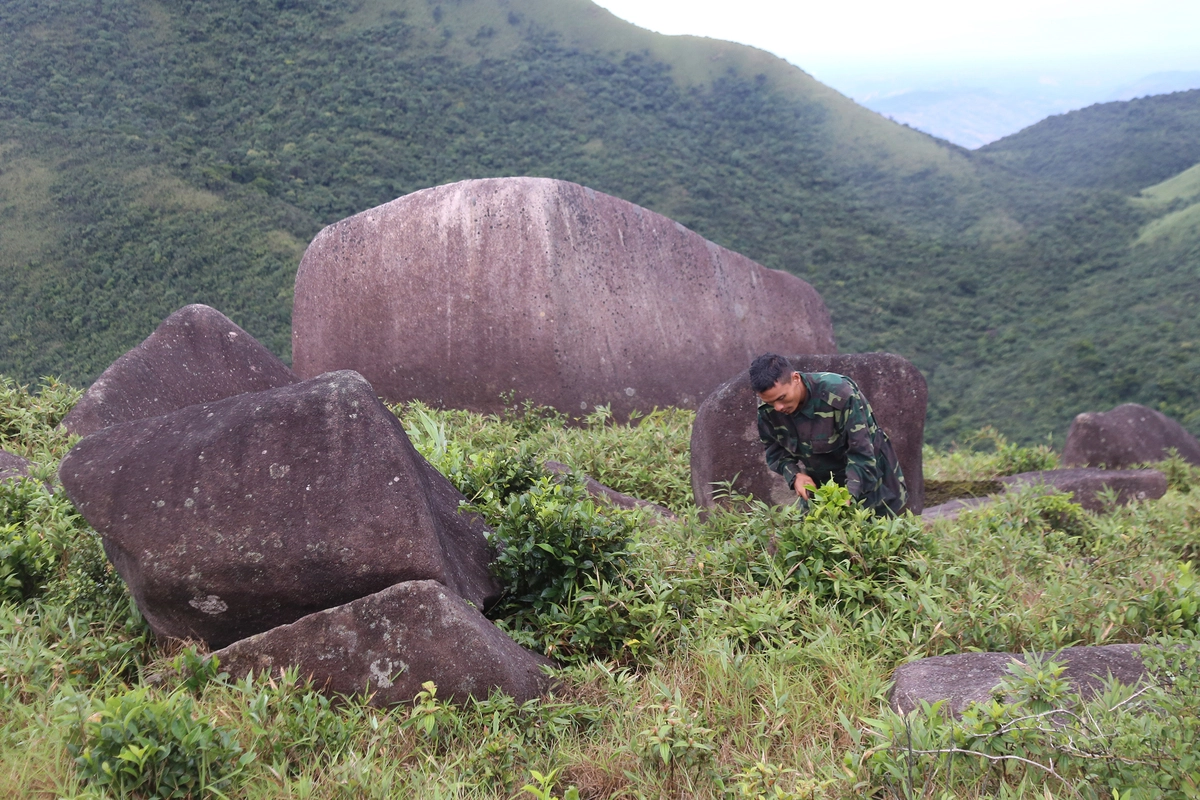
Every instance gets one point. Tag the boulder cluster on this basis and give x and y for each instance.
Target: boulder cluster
(290, 518)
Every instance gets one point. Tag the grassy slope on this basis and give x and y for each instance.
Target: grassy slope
(754, 682)
(185, 152)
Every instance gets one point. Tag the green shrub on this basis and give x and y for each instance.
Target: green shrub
(676, 739)
(1182, 475)
(135, 745)
(629, 619)
(29, 421)
(550, 539)
(839, 552)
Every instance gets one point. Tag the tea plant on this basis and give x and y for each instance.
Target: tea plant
(137, 745)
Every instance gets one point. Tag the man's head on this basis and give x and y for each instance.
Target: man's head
(776, 383)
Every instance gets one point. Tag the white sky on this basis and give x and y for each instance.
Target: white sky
(828, 38)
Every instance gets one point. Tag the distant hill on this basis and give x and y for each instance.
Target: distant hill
(971, 117)
(1159, 83)
(154, 154)
(1123, 146)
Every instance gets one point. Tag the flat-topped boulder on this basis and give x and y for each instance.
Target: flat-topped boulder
(230, 518)
(726, 447)
(197, 355)
(967, 678)
(1089, 487)
(12, 466)
(389, 643)
(557, 293)
(1127, 436)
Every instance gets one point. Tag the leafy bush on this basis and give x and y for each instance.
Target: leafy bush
(550, 539)
(676, 739)
(1182, 475)
(839, 552)
(29, 420)
(47, 546)
(135, 745)
(987, 454)
(28, 559)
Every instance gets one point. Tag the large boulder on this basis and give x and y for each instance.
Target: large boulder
(387, 644)
(967, 678)
(1124, 437)
(726, 447)
(197, 355)
(12, 466)
(554, 292)
(229, 518)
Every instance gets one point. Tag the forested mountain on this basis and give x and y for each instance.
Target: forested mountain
(1123, 146)
(154, 154)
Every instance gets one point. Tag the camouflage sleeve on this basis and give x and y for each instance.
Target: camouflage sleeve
(862, 465)
(778, 458)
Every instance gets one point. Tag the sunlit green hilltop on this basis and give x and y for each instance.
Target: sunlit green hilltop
(154, 154)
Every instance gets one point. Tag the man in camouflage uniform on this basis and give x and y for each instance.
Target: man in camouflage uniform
(816, 426)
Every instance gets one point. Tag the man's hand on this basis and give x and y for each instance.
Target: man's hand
(802, 485)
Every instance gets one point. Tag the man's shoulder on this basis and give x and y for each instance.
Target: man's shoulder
(831, 388)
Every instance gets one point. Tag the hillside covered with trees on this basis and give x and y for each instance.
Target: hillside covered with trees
(154, 154)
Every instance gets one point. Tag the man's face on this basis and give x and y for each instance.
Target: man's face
(785, 396)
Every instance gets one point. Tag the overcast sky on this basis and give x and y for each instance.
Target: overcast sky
(828, 39)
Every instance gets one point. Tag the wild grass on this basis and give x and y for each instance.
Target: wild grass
(719, 661)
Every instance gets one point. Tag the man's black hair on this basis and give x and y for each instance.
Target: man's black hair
(767, 370)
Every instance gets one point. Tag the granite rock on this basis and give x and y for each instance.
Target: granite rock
(967, 678)
(229, 518)
(12, 466)
(1127, 436)
(197, 355)
(557, 293)
(388, 643)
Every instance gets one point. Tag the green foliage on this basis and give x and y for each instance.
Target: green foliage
(753, 645)
(647, 457)
(433, 718)
(136, 745)
(29, 421)
(29, 557)
(989, 454)
(550, 539)
(543, 787)
(1182, 476)
(838, 552)
(46, 546)
(1124, 146)
(676, 740)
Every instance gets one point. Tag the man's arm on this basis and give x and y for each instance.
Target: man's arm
(862, 465)
(779, 459)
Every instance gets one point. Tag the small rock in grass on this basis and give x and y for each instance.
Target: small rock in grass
(389, 643)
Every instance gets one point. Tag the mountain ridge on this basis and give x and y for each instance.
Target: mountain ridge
(164, 153)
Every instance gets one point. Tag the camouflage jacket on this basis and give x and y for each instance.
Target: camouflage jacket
(833, 434)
